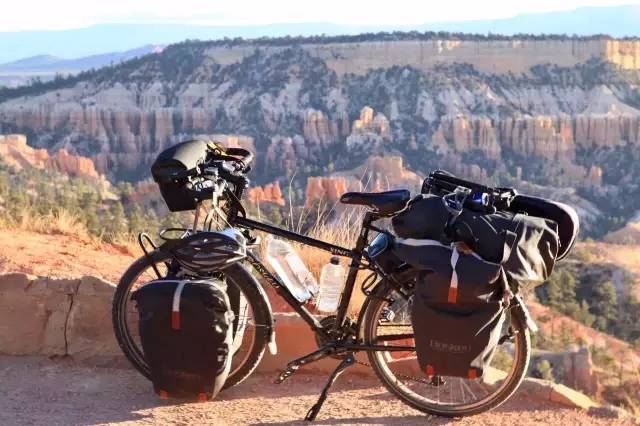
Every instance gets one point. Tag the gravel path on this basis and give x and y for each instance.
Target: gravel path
(37, 392)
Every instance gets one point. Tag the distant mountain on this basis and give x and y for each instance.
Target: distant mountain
(119, 37)
(30, 63)
(617, 21)
(45, 67)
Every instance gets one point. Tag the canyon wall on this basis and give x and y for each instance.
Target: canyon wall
(562, 113)
(493, 56)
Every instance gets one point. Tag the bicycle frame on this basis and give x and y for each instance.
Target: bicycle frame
(356, 254)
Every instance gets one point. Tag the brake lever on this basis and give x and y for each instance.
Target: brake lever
(454, 202)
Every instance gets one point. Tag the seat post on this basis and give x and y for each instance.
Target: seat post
(361, 243)
(364, 231)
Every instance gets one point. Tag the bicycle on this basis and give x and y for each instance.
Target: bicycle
(382, 329)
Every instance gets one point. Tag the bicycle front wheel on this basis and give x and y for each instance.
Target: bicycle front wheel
(387, 321)
(251, 324)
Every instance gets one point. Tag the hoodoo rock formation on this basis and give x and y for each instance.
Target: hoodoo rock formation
(270, 193)
(15, 152)
(325, 189)
(376, 174)
(553, 112)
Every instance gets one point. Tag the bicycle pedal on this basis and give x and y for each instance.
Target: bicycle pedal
(288, 372)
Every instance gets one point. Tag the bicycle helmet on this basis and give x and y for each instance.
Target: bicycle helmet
(207, 252)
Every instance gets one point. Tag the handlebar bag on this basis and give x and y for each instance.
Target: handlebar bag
(457, 309)
(186, 329)
(171, 169)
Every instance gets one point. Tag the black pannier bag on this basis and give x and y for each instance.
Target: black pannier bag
(507, 200)
(171, 170)
(457, 310)
(186, 329)
(526, 246)
(565, 216)
(425, 217)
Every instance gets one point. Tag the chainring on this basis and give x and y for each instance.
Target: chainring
(328, 323)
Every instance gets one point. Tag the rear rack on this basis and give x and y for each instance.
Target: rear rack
(440, 182)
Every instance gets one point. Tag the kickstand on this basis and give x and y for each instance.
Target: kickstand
(347, 362)
(314, 356)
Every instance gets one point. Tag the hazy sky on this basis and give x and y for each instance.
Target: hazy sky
(63, 14)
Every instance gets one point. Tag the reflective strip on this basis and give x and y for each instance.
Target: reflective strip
(415, 242)
(453, 287)
(419, 242)
(429, 370)
(175, 320)
(175, 309)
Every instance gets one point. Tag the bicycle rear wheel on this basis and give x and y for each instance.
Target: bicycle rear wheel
(387, 321)
(251, 323)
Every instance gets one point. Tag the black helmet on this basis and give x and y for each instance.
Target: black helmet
(207, 252)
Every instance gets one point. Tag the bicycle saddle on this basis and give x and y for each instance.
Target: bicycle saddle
(384, 203)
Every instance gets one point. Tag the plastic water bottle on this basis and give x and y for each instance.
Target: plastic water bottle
(332, 280)
(291, 269)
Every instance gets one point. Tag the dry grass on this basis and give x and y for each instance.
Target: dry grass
(55, 222)
(62, 222)
(338, 227)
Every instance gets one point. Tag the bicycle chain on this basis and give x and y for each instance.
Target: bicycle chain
(400, 375)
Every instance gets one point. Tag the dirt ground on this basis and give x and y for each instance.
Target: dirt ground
(43, 392)
(62, 255)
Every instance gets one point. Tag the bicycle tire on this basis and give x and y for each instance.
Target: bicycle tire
(370, 310)
(237, 274)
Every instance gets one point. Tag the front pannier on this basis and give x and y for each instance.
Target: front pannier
(457, 311)
(186, 329)
(171, 170)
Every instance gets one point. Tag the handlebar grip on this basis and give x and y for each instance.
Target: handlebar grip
(247, 156)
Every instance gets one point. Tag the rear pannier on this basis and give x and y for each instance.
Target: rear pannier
(172, 169)
(563, 215)
(425, 217)
(472, 247)
(526, 246)
(457, 311)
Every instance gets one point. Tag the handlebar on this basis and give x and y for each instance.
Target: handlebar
(242, 164)
(481, 197)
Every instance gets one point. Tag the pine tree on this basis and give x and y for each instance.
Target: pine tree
(583, 314)
(137, 222)
(561, 293)
(117, 223)
(605, 305)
